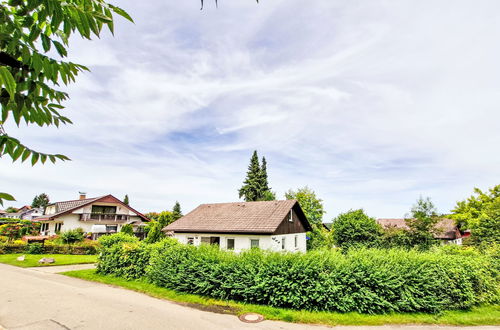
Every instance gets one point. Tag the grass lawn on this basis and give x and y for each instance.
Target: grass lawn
(31, 260)
(484, 315)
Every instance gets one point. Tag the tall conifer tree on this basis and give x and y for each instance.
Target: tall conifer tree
(264, 184)
(176, 211)
(251, 189)
(125, 200)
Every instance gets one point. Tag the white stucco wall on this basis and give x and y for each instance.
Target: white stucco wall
(72, 221)
(242, 242)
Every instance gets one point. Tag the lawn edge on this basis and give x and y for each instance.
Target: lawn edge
(286, 315)
(47, 265)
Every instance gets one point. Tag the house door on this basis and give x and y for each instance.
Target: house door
(215, 240)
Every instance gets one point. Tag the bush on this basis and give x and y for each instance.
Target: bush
(355, 229)
(72, 236)
(34, 248)
(364, 280)
(127, 229)
(110, 240)
(127, 260)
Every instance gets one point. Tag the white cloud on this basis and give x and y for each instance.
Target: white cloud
(370, 105)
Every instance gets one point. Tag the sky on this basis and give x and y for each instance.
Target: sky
(369, 103)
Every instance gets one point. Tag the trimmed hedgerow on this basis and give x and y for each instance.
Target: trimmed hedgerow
(366, 281)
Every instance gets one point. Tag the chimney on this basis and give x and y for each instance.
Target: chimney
(83, 195)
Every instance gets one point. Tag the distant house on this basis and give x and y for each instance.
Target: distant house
(98, 216)
(446, 229)
(271, 225)
(24, 213)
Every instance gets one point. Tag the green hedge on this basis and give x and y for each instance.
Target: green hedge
(366, 281)
(48, 249)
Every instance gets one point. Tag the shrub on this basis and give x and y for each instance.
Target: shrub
(19, 228)
(355, 228)
(110, 240)
(34, 248)
(127, 260)
(72, 236)
(127, 229)
(363, 280)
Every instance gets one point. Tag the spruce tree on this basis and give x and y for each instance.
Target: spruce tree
(176, 211)
(252, 188)
(125, 200)
(264, 184)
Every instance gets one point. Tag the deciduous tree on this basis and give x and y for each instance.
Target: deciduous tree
(309, 202)
(481, 214)
(41, 200)
(355, 228)
(31, 33)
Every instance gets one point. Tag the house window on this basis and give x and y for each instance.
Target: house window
(283, 243)
(44, 227)
(190, 240)
(296, 239)
(290, 217)
(230, 243)
(205, 240)
(58, 227)
(101, 209)
(254, 243)
(111, 228)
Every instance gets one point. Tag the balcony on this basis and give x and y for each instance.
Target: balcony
(104, 217)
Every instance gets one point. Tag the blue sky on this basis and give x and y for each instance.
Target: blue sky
(371, 104)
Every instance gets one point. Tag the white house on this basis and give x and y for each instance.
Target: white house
(98, 216)
(271, 225)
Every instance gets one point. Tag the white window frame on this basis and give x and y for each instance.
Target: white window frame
(290, 218)
(56, 225)
(258, 243)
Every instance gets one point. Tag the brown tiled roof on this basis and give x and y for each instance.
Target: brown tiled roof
(67, 205)
(250, 217)
(446, 228)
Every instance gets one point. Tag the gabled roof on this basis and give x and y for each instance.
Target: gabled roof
(66, 207)
(447, 228)
(243, 217)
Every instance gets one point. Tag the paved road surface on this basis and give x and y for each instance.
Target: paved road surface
(38, 299)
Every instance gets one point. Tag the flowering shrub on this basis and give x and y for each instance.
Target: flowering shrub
(19, 229)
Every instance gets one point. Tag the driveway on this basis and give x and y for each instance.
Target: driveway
(40, 299)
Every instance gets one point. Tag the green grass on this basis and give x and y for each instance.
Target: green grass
(483, 315)
(31, 260)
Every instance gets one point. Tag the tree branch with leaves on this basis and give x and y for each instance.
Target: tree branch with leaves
(30, 77)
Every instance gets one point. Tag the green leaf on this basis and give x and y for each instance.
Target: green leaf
(60, 48)
(18, 152)
(121, 12)
(34, 158)
(45, 42)
(8, 81)
(5, 196)
(26, 154)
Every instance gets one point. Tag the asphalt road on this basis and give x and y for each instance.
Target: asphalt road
(39, 299)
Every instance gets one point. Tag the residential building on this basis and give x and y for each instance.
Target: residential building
(446, 229)
(270, 225)
(97, 216)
